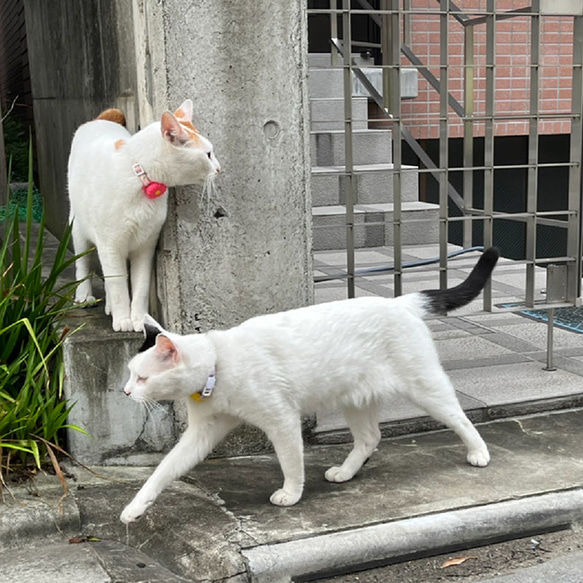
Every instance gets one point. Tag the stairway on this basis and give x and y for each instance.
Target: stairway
(373, 179)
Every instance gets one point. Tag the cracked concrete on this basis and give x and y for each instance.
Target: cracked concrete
(416, 495)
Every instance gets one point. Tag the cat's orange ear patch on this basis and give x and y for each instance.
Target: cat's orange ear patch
(184, 112)
(190, 129)
(114, 115)
(119, 144)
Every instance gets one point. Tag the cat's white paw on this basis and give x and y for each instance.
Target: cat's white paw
(138, 324)
(133, 511)
(479, 458)
(337, 474)
(87, 300)
(84, 298)
(282, 497)
(123, 324)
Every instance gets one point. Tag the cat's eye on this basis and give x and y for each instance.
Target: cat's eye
(141, 379)
(209, 155)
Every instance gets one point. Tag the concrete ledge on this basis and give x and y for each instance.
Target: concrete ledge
(342, 552)
(120, 431)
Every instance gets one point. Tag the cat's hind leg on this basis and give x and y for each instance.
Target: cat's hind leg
(437, 397)
(84, 291)
(363, 423)
(287, 441)
(115, 274)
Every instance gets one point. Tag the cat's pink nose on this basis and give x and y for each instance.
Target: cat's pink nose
(218, 169)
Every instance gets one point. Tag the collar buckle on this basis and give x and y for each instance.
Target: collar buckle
(138, 170)
(151, 189)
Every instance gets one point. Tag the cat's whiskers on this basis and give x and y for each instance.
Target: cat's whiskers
(208, 189)
(151, 405)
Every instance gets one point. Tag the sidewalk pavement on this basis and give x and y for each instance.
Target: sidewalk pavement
(415, 497)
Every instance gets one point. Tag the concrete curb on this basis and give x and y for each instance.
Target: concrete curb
(366, 547)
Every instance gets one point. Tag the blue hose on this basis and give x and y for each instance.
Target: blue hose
(389, 268)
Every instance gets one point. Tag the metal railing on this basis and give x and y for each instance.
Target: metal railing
(394, 17)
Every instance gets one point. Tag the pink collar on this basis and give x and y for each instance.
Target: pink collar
(151, 189)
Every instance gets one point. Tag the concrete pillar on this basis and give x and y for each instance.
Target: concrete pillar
(246, 249)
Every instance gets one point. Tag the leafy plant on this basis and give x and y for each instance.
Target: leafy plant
(33, 412)
(16, 145)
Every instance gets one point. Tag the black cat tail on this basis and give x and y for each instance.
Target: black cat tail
(442, 301)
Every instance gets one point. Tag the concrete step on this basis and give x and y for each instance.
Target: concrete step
(372, 183)
(328, 113)
(120, 431)
(330, 82)
(373, 225)
(409, 82)
(324, 61)
(368, 147)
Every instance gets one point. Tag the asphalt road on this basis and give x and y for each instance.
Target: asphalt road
(555, 557)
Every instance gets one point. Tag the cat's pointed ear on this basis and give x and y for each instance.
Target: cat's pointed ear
(172, 130)
(165, 348)
(184, 112)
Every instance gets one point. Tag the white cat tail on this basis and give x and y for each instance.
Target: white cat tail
(439, 302)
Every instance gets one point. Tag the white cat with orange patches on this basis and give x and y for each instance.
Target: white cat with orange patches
(118, 191)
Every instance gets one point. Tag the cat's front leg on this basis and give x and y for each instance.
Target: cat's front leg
(141, 271)
(194, 445)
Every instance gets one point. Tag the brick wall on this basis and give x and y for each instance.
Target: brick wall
(512, 70)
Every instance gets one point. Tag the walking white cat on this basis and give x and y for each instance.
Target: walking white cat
(118, 194)
(271, 369)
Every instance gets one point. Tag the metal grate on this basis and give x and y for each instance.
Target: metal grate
(481, 198)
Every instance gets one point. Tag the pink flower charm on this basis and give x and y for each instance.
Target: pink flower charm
(155, 189)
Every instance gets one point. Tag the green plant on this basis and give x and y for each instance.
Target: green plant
(16, 145)
(33, 412)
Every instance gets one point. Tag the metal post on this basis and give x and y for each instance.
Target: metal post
(348, 160)
(574, 238)
(394, 101)
(334, 61)
(443, 141)
(532, 172)
(468, 178)
(550, 328)
(489, 137)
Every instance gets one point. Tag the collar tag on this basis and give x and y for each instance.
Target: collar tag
(208, 388)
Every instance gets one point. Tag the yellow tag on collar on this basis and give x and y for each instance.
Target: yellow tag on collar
(208, 389)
